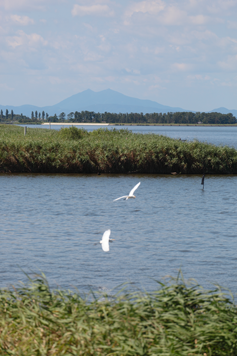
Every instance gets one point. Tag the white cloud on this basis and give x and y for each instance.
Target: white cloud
(205, 35)
(161, 12)
(150, 7)
(199, 77)
(218, 6)
(183, 67)
(21, 20)
(198, 19)
(91, 56)
(182, 41)
(132, 71)
(96, 10)
(105, 46)
(30, 41)
(173, 16)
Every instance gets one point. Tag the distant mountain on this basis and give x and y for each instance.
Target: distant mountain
(105, 100)
(102, 101)
(225, 111)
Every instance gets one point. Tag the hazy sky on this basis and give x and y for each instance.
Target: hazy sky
(176, 52)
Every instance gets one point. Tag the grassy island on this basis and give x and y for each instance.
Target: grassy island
(73, 150)
(177, 319)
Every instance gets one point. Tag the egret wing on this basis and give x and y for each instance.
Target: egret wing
(133, 189)
(105, 240)
(125, 196)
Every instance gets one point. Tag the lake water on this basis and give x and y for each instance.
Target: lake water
(217, 135)
(50, 223)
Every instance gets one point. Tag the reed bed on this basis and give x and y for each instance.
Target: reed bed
(177, 319)
(73, 150)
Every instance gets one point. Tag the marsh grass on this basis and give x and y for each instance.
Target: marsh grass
(73, 150)
(177, 319)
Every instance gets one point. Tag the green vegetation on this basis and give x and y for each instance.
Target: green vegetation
(177, 319)
(16, 118)
(73, 150)
(154, 118)
(185, 118)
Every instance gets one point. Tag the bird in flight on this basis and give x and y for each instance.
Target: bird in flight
(105, 240)
(130, 195)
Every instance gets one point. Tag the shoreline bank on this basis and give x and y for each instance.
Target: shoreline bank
(75, 150)
(130, 124)
(74, 124)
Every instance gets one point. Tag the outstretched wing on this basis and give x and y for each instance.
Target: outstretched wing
(105, 240)
(125, 196)
(133, 189)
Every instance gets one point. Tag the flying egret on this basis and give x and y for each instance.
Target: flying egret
(105, 240)
(130, 195)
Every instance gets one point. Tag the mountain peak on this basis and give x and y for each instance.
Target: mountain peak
(106, 100)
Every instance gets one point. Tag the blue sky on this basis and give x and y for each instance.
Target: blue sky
(176, 52)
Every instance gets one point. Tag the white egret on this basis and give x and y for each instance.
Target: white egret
(105, 240)
(130, 195)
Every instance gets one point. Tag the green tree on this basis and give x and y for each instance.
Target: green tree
(62, 116)
(39, 115)
(12, 114)
(43, 115)
(53, 118)
(36, 114)
(70, 116)
(6, 114)
(32, 115)
(47, 115)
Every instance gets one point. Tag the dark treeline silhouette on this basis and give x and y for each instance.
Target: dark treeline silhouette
(11, 117)
(155, 118)
(128, 118)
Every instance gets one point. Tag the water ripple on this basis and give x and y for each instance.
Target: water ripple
(50, 223)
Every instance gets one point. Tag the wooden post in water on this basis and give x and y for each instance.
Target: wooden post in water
(25, 130)
(202, 182)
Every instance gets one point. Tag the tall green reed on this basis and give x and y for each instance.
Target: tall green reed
(108, 151)
(177, 319)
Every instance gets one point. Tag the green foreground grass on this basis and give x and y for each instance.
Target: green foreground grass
(73, 150)
(177, 319)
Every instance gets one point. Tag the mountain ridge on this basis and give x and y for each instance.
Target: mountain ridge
(102, 101)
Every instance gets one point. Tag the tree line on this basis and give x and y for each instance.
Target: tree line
(154, 118)
(128, 118)
(12, 117)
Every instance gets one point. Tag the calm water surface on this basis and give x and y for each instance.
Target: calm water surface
(50, 223)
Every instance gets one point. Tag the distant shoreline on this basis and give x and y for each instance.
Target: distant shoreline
(74, 123)
(127, 124)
